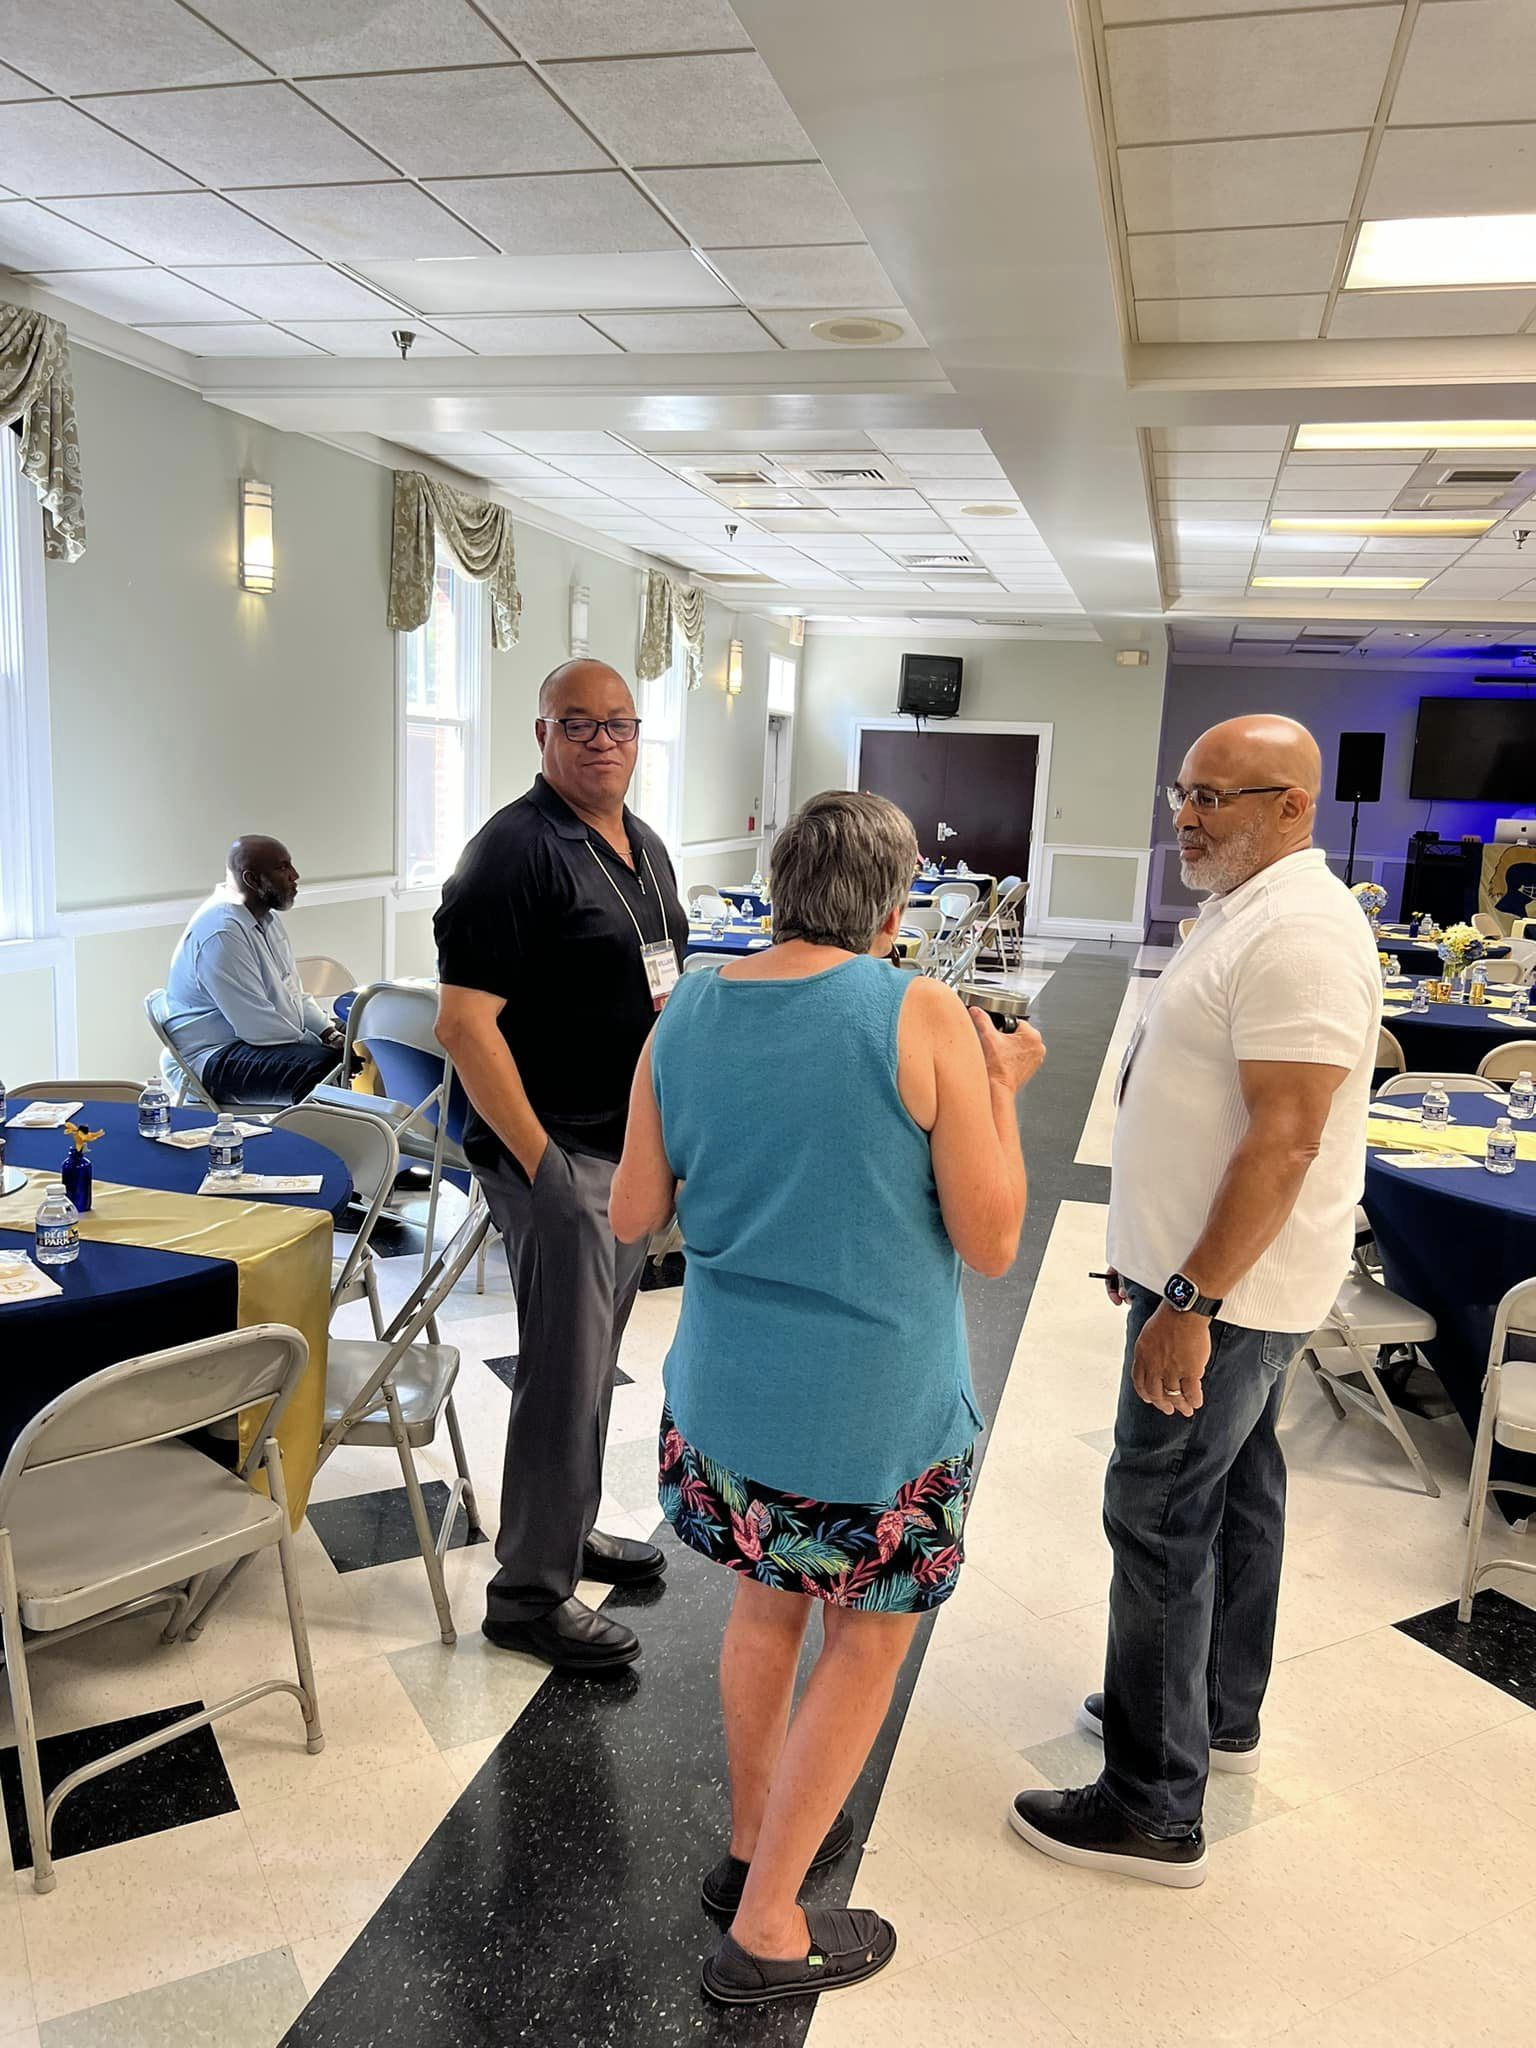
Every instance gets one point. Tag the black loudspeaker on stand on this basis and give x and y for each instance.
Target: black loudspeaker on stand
(1358, 781)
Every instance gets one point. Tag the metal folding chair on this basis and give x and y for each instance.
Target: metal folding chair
(1366, 1319)
(1508, 1418)
(367, 1145)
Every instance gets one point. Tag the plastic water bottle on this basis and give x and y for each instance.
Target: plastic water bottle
(1520, 1000)
(1477, 979)
(1522, 1098)
(1436, 1106)
(226, 1150)
(3, 1110)
(759, 886)
(154, 1108)
(1420, 1000)
(58, 1227)
(1500, 1155)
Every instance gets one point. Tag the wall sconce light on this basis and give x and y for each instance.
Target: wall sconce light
(733, 670)
(797, 631)
(581, 620)
(258, 561)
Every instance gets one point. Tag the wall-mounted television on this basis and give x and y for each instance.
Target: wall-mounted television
(930, 685)
(1475, 750)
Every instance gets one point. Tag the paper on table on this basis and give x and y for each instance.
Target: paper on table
(44, 1116)
(189, 1141)
(264, 1184)
(1469, 1138)
(1422, 1160)
(1395, 1110)
(21, 1280)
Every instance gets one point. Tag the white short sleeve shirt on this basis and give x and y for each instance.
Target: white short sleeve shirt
(1283, 968)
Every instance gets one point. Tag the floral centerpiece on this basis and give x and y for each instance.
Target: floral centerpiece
(1372, 899)
(1459, 946)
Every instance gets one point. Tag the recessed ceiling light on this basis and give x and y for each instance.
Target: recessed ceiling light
(989, 512)
(1422, 528)
(856, 333)
(1418, 434)
(1338, 582)
(1472, 249)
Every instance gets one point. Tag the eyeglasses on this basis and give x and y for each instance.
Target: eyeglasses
(620, 730)
(1206, 799)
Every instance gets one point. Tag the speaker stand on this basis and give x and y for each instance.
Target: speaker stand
(1354, 827)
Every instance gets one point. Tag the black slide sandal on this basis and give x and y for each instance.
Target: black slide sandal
(722, 1887)
(848, 1946)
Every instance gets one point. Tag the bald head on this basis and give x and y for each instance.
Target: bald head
(1268, 772)
(573, 682)
(262, 871)
(1257, 749)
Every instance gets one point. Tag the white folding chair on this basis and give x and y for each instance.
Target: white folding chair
(180, 1078)
(81, 1091)
(708, 904)
(1507, 1062)
(954, 899)
(1186, 926)
(324, 978)
(1389, 1053)
(1366, 1319)
(1508, 1419)
(702, 889)
(105, 1511)
(1487, 925)
(368, 1147)
(1504, 973)
(1008, 919)
(704, 963)
(1453, 1084)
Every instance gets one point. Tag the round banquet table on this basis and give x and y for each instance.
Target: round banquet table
(1451, 1038)
(1420, 958)
(1454, 1242)
(750, 902)
(120, 1300)
(740, 938)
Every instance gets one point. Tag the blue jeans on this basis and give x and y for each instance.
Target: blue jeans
(1194, 1509)
(268, 1073)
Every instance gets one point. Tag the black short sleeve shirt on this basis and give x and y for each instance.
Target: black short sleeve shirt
(542, 912)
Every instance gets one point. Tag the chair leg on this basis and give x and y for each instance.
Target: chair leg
(184, 1607)
(480, 1266)
(192, 1627)
(371, 1290)
(424, 1536)
(43, 1876)
(1477, 1498)
(1394, 1422)
(293, 1594)
(461, 1463)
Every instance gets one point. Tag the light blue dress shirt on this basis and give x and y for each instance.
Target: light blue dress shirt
(233, 981)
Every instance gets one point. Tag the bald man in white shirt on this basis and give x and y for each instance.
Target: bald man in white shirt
(1239, 1156)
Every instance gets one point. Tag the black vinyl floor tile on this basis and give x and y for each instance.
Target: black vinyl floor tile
(1497, 1644)
(505, 1369)
(169, 1788)
(366, 1529)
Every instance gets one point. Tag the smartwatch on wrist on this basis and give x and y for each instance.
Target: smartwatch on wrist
(1182, 1294)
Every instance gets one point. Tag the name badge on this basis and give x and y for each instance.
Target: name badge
(1128, 1059)
(661, 971)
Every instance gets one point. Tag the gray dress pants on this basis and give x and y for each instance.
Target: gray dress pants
(575, 1286)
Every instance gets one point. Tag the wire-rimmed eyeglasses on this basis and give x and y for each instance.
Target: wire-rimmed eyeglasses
(1204, 798)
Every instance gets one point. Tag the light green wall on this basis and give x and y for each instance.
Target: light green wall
(724, 735)
(114, 971)
(185, 710)
(1105, 721)
(1097, 886)
(26, 1027)
(415, 952)
(352, 933)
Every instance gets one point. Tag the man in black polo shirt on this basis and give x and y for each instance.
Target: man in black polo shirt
(559, 936)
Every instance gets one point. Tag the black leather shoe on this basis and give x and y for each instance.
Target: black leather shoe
(620, 1560)
(571, 1637)
(1083, 1828)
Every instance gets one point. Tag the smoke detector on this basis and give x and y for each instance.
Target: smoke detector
(855, 331)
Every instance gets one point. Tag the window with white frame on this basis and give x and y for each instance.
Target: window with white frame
(657, 792)
(442, 671)
(26, 791)
(783, 676)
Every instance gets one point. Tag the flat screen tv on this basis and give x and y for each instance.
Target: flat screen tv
(1475, 750)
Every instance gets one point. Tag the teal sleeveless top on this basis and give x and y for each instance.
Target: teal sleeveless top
(821, 1344)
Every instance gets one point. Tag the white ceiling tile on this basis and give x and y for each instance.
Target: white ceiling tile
(1179, 490)
(1234, 262)
(552, 284)
(1445, 550)
(364, 223)
(1253, 464)
(31, 239)
(293, 291)
(251, 339)
(794, 329)
(979, 466)
(905, 441)
(14, 87)
(614, 469)
(1424, 171)
(832, 275)
(1351, 458)
(1428, 315)
(240, 135)
(296, 36)
(48, 148)
(1374, 503)
(558, 336)
(1469, 60)
(559, 214)
(562, 441)
(1198, 440)
(889, 500)
(372, 338)
(1282, 75)
(466, 441)
(182, 227)
(138, 295)
(1366, 476)
(743, 206)
(617, 28)
(731, 328)
(1255, 319)
(686, 110)
(1267, 182)
(82, 46)
(563, 490)
(523, 471)
(447, 124)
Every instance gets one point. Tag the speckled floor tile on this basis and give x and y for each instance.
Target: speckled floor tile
(245, 2004)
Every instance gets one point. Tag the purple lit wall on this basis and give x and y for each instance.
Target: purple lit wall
(1329, 701)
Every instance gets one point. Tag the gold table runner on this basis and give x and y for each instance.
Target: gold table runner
(1470, 1139)
(282, 1261)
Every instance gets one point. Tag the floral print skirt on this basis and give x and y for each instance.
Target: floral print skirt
(897, 1556)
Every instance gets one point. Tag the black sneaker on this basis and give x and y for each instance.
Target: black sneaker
(1081, 1827)
(1239, 1762)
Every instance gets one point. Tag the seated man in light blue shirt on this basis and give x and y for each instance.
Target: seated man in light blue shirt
(234, 1005)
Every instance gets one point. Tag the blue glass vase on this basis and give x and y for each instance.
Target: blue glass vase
(76, 1176)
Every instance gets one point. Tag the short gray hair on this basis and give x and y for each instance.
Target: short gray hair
(840, 867)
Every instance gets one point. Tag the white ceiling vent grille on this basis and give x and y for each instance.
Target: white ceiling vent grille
(828, 479)
(1490, 479)
(738, 479)
(947, 561)
(841, 469)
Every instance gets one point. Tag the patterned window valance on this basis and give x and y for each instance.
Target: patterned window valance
(37, 396)
(479, 535)
(663, 605)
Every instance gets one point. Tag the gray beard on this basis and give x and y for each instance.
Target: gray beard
(1220, 873)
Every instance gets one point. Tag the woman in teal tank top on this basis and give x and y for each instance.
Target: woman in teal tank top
(837, 1136)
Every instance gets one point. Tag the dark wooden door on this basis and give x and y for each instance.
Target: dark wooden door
(980, 784)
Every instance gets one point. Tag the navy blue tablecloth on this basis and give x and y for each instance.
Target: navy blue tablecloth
(1454, 1243)
(750, 902)
(1451, 1038)
(926, 884)
(736, 939)
(1422, 959)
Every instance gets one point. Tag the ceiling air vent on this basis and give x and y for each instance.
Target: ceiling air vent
(827, 478)
(1498, 479)
(737, 479)
(941, 561)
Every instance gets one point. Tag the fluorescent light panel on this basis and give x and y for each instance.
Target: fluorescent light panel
(1473, 249)
(1422, 528)
(1338, 582)
(1418, 434)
